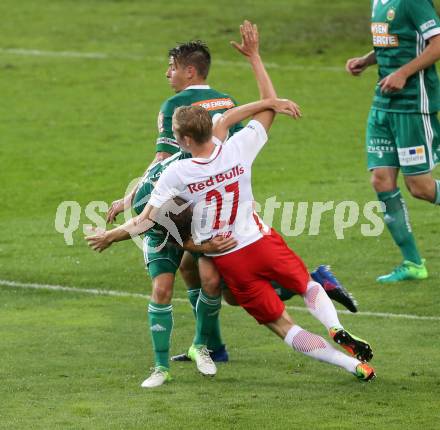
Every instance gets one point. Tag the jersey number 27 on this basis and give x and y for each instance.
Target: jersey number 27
(217, 196)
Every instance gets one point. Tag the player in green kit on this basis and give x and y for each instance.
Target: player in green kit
(403, 130)
(187, 72)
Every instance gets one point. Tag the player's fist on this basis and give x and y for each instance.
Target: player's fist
(355, 66)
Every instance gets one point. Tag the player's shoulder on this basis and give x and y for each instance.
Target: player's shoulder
(171, 103)
(226, 96)
(175, 162)
(252, 133)
(253, 126)
(220, 93)
(419, 2)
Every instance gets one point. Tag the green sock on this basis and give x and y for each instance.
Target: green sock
(160, 318)
(208, 309)
(193, 296)
(437, 192)
(215, 341)
(397, 220)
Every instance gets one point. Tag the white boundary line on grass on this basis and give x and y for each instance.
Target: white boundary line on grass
(134, 57)
(98, 292)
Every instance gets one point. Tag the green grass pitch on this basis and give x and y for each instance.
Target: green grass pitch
(80, 127)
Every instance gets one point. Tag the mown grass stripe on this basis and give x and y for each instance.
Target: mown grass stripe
(113, 293)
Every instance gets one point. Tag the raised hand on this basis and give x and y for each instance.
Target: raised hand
(249, 40)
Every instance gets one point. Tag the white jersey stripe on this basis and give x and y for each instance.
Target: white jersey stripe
(424, 100)
(421, 44)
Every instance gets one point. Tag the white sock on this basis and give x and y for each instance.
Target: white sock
(318, 348)
(320, 305)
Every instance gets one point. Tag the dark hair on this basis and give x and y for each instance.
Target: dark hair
(194, 122)
(182, 220)
(194, 53)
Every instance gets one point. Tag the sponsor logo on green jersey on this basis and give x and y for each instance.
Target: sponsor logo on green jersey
(381, 36)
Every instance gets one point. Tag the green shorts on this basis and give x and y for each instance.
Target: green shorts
(406, 141)
(161, 257)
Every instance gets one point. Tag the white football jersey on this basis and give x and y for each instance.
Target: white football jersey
(219, 188)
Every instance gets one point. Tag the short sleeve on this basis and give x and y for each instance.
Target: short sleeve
(167, 187)
(166, 142)
(249, 141)
(424, 17)
(236, 127)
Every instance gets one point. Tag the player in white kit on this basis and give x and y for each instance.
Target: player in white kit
(217, 181)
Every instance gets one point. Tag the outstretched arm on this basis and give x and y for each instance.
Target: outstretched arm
(254, 109)
(134, 227)
(167, 187)
(249, 47)
(264, 110)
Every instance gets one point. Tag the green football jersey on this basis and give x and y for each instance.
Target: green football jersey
(196, 95)
(147, 183)
(401, 29)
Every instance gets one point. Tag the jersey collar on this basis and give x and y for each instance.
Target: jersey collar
(198, 87)
(212, 157)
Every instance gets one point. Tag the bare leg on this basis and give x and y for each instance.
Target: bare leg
(422, 187)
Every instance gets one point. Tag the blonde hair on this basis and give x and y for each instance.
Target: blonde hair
(194, 122)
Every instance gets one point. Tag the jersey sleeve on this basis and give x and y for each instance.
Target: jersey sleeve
(424, 17)
(167, 187)
(249, 141)
(166, 142)
(236, 127)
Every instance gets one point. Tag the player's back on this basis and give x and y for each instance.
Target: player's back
(220, 188)
(151, 176)
(203, 95)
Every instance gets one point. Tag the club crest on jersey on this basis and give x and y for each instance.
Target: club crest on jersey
(381, 36)
(391, 14)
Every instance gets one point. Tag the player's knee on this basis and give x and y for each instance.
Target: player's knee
(382, 182)
(211, 285)
(162, 292)
(420, 190)
(185, 270)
